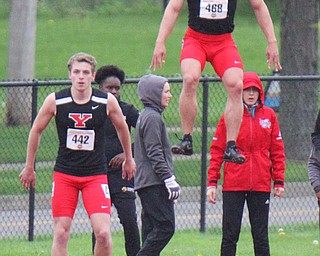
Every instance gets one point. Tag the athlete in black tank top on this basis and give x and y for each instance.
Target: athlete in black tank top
(211, 26)
(82, 157)
(80, 113)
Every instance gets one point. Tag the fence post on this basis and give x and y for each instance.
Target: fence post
(32, 190)
(205, 96)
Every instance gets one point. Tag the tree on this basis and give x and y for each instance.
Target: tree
(21, 62)
(299, 56)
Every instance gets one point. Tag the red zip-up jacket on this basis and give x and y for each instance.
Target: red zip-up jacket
(260, 142)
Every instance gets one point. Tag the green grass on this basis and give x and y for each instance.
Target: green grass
(126, 40)
(112, 39)
(183, 243)
(187, 171)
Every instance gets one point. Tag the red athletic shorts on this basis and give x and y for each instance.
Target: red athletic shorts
(219, 50)
(65, 193)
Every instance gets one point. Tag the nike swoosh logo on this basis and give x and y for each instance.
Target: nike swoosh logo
(237, 62)
(104, 206)
(94, 107)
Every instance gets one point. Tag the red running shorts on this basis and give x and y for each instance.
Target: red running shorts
(219, 50)
(65, 194)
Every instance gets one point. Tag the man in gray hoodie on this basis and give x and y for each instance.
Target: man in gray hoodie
(314, 160)
(154, 179)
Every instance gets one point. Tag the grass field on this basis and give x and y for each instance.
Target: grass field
(186, 243)
(112, 39)
(127, 40)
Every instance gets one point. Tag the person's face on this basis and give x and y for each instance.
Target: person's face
(250, 95)
(166, 95)
(81, 75)
(111, 84)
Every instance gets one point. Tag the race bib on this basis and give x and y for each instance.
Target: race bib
(80, 139)
(213, 9)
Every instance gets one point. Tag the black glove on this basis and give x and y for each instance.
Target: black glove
(172, 187)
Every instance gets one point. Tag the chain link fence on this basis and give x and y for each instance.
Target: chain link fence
(25, 215)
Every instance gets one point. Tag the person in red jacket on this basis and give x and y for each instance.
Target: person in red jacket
(261, 143)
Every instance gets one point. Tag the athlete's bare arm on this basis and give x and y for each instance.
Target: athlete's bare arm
(265, 22)
(46, 112)
(168, 22)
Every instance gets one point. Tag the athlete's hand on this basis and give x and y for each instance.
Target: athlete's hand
(159, 56)
(128, 169)
(273, 56)
(117, 161)
(212, 194)
(27, 177)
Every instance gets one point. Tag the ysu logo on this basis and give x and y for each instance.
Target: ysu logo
(80, 119)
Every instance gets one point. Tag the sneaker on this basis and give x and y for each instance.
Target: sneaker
(184, 147)
(232, 155)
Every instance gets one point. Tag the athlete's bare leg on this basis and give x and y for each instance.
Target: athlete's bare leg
(191, 72)
(233, 82)
(101, 227)
(61, 236)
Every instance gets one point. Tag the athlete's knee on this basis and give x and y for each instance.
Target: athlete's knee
(190, 82)
(103, 237)
(233, 81)
(61, 236)
(234, 87)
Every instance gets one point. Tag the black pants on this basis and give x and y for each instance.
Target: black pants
(124, 202)
(258, 206)
(158, 220)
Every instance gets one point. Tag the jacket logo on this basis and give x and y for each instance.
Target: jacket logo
(279, 136)
(265, 123)
(80, 119)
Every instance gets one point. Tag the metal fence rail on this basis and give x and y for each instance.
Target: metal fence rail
(25, 215)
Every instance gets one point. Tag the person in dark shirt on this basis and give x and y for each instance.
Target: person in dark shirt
(209, 38)
(110, 79)
(80, 112)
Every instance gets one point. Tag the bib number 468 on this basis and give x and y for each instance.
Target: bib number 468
(214, 8)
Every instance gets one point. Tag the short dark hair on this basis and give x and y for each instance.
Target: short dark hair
(107, 71)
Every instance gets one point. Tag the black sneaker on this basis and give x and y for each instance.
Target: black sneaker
(184, 147)
(232, 155)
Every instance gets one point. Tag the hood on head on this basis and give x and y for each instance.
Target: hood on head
(251, 79)
(150, 88)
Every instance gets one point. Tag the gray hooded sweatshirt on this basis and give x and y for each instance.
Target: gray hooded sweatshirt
(151, 144)
(314, 167)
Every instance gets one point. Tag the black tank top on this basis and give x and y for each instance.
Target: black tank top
(81, 134)
(207, 25)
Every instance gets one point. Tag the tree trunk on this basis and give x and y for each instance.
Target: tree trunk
(21, 60)
(299, 56)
